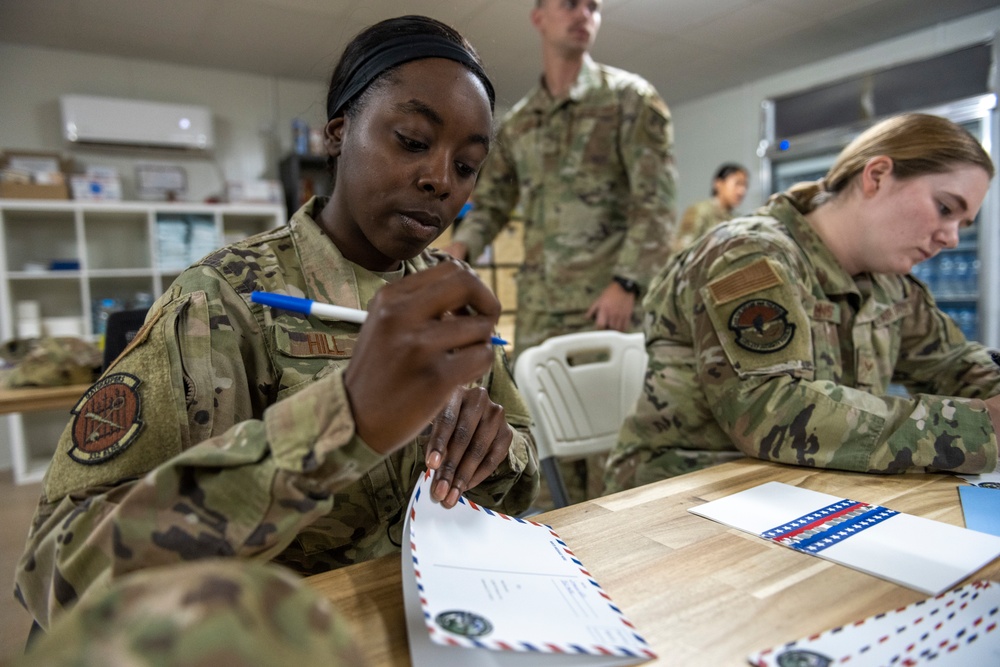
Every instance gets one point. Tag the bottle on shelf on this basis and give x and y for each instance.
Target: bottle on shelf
(300, 136)
(972, 273)
(102, 309)
(967, 322)
(142, 301)
(960, 284)
(925, 272)
(945, 283)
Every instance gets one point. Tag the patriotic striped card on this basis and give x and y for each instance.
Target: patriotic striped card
(922, 554)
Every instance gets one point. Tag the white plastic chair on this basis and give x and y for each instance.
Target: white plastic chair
(578, 403)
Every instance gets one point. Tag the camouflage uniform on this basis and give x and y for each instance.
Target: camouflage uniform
(761, 343)
(48, 362)
(698, 219)
(186, 448)
(594, 176)
(216, 611)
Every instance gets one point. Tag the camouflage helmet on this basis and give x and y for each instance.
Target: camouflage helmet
(216, 611)
(51, 362)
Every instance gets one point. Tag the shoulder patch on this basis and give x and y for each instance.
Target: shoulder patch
(761, 325)
(106, 420)
(752, 278)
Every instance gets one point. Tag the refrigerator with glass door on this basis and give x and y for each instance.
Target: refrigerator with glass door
(963, 279)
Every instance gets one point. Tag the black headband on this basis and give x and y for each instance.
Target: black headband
(397, 51)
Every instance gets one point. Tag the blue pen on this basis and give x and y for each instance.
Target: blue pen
(326, 311)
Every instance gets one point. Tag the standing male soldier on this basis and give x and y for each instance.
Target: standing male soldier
(587, 155)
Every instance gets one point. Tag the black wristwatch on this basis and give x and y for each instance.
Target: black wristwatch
(627, 285)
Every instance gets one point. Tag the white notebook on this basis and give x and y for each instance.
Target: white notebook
(922, 554)
(482, 588)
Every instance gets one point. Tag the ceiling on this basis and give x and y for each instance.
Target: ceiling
(686, 48)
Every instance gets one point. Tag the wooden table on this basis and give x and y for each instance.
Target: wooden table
(31, 399)
(699, 592)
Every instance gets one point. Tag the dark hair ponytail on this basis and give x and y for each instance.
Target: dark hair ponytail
(725, 171)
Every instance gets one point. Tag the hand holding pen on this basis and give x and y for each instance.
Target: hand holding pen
(413, 358)
(324, 311)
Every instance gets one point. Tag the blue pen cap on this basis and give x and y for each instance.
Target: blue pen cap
(283, 301)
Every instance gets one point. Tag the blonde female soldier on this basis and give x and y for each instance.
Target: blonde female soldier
(777, 336)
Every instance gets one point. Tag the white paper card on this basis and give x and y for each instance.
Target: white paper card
(956, 629)
(925, 555)
(482, 588)
(990, 480)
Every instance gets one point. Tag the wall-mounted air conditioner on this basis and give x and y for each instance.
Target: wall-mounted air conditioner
(108, 120)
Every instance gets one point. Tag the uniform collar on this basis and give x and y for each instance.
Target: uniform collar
(328, 276)
(832, 277)
(719, 209)
(588, 79)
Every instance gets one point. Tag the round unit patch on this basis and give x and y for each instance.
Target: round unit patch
(803, 658)
(107, 419)
(762, 326)
(464, 623)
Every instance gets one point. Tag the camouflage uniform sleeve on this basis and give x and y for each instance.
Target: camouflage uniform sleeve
(171, 495)
(646, 147)
(494, 199)
(754, 338)
(936, 358)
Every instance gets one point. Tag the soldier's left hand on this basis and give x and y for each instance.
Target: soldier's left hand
(468, 440)
(613, 309)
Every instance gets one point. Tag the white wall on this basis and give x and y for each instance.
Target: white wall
(727, 126)
(252, 114)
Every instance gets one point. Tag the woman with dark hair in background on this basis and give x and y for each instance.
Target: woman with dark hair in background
(729, 187)
(228, 429)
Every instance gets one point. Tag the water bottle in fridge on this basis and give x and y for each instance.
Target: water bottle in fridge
(924, 272)
(960, 284)
(972, 277)
(967, 322)
(945, 283)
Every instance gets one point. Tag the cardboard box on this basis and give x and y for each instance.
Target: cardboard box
(47, 190)
(33, 191)
(506, 287)
(508, 246)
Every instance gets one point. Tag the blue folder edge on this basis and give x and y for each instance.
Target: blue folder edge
(981, 507)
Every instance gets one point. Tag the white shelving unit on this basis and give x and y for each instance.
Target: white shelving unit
(114, 251)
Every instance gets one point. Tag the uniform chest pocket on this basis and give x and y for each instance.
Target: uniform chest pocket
(825, 324)
(303, 355)
(591, 142)
(877, 360)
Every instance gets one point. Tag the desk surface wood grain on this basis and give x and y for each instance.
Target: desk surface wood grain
(31, 399)
(699, 592)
